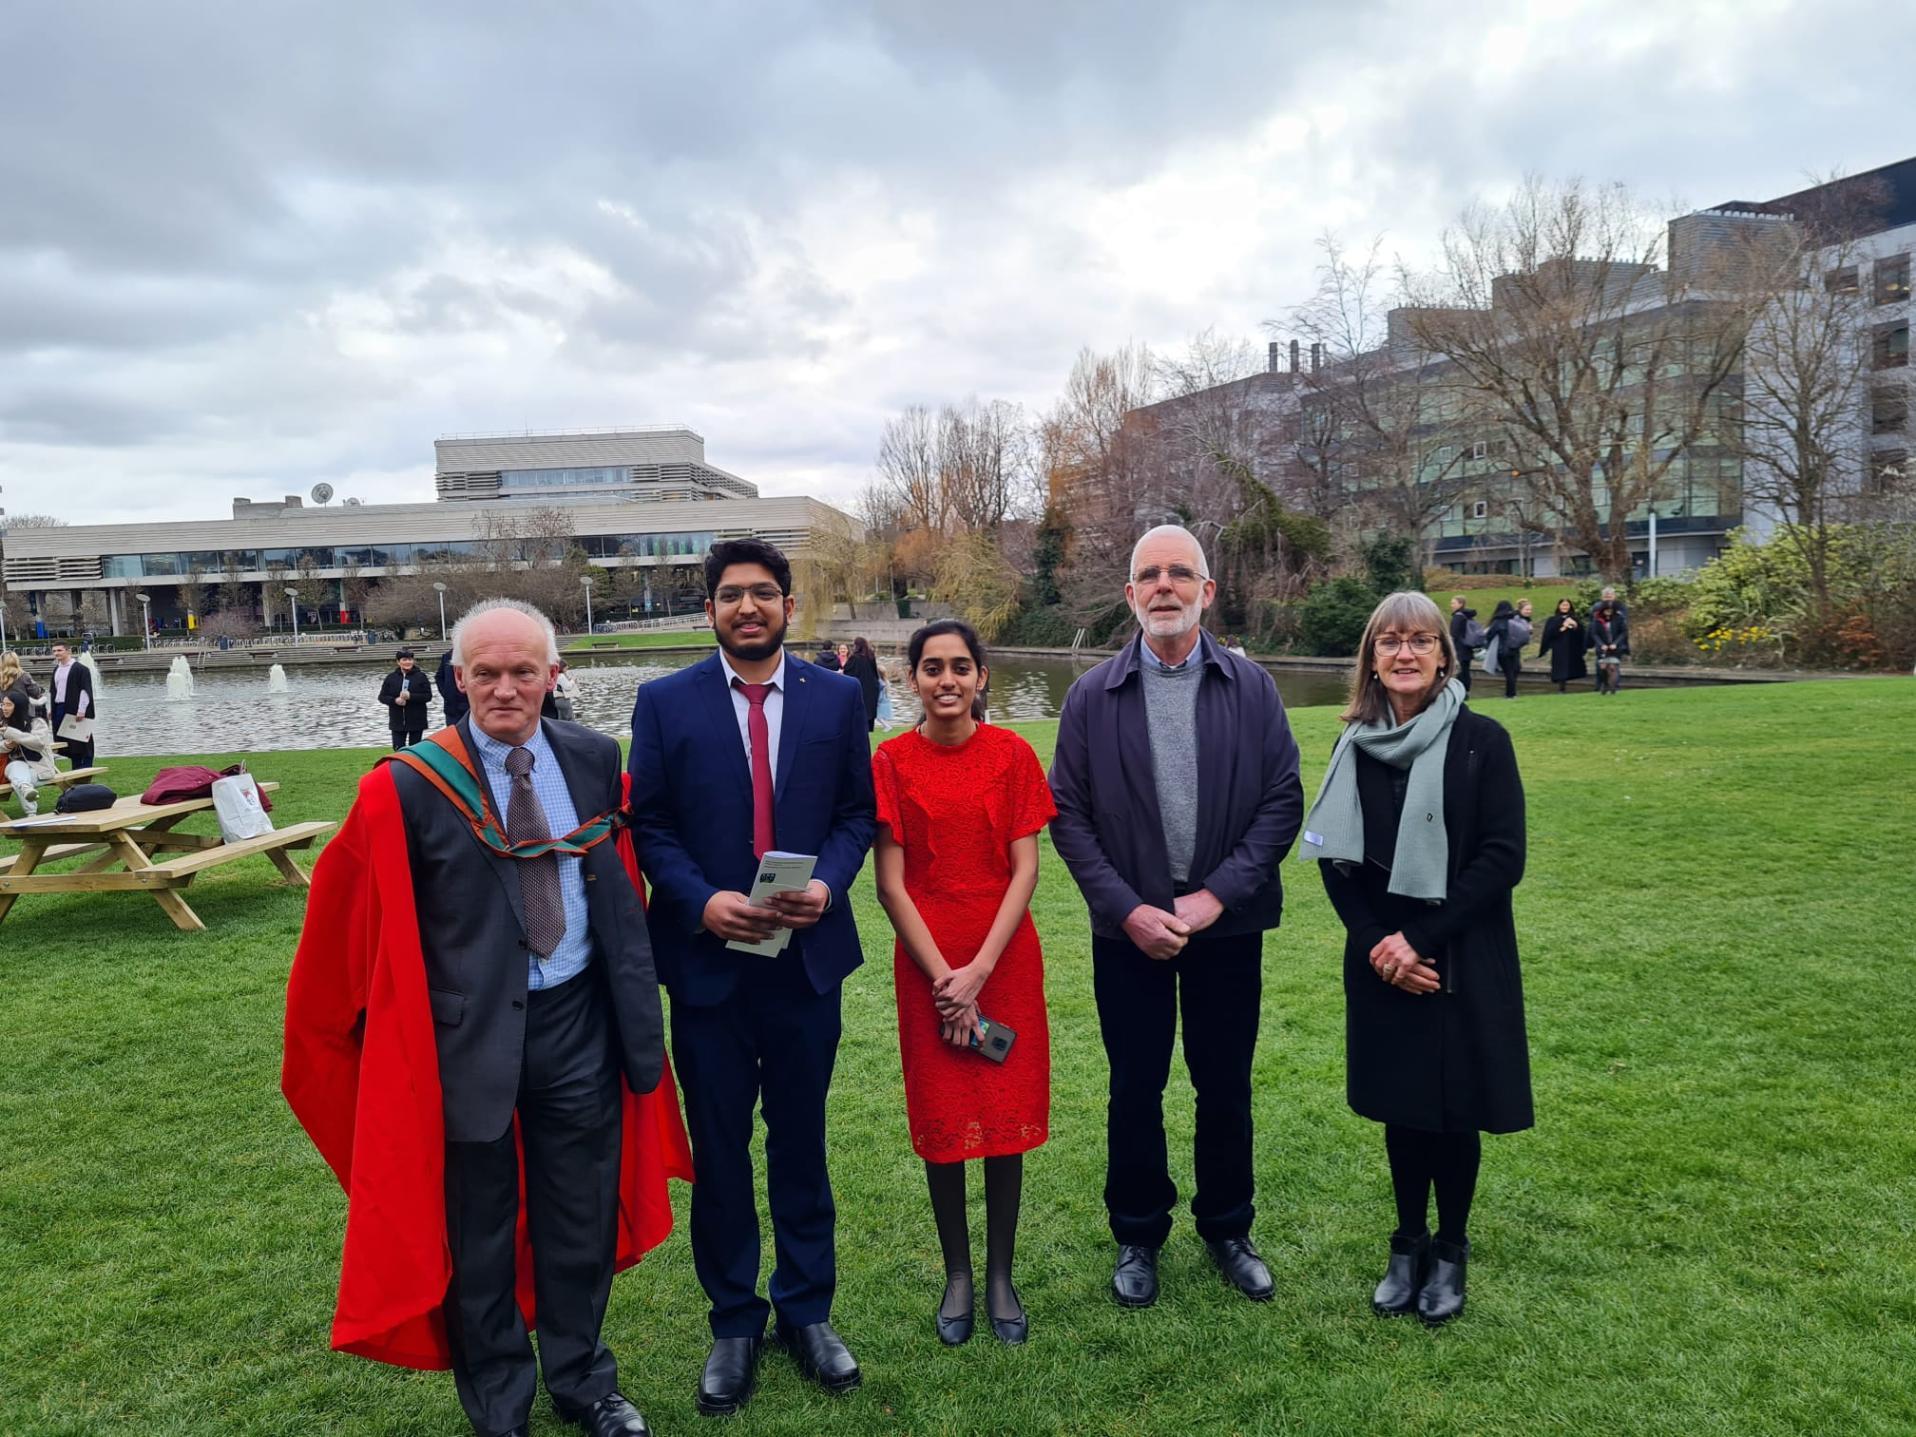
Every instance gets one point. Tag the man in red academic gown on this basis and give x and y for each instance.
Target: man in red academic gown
(471, 1013)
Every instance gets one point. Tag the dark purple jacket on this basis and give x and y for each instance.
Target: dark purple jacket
(1250, 800)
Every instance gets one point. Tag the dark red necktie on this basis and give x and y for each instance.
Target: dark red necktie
(760, 733)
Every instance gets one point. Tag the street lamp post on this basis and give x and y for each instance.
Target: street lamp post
(292, 596)
(586, 581)
(440, 589)
(146, 618)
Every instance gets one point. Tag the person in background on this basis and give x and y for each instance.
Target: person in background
(1235, 645)
(72, 698)
(1517, 638)
(28, 748)
(1609, 596)
(842, 653)
(862, 664)
(565, 692)
(1176, 782)
(1563, 641)
(1497, 642)
(884, 717)
(450, 694)
(1609, 641)
(1462, 621)
(960, 807)
(826, 658)
(1419, 834)
(407, 696)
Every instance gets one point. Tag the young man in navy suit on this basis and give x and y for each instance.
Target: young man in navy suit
(749, 751)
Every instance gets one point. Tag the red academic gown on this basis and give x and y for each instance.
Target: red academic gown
(361, 1073)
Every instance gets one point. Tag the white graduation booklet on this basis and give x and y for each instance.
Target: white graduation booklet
(777, 873)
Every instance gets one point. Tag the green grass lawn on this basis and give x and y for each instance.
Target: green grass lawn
(647, 639)
(1543, 595)
(1712, 1229)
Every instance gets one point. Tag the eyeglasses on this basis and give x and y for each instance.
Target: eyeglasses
(729, 597)
(1180, 574)
(1421, 645)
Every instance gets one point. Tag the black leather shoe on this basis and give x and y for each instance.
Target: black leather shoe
(821, 1355)
(1397, 1293)
(1012, 1331)
(731, 1371)
(610, 1416)
(1442, 1295)
(955, 1331)
(1243, 1268)
(1135, 1282)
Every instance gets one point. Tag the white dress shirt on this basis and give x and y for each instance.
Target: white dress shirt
(60, 672)
(774, 710)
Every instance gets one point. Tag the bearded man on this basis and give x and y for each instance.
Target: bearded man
(1176, 782)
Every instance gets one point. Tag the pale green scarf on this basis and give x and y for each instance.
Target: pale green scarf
(1334, 828)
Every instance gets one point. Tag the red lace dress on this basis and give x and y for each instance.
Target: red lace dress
(956, 812)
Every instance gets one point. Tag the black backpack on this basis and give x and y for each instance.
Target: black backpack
(85, 797)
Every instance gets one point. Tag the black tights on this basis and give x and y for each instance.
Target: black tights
(1004, 1186)
(1420, 1160)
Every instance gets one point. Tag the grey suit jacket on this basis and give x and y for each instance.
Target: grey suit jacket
(474, 939)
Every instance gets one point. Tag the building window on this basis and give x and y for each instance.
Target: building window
(1891, 348)
(1892, 280)
(1887, 469)
(1888, 410)
(1842, 281)
(1480, 509)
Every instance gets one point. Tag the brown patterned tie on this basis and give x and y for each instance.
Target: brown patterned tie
(538, 877)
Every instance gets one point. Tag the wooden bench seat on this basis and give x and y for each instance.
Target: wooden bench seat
(273, 845)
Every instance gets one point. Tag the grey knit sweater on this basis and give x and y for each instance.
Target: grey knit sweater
(1170, 709)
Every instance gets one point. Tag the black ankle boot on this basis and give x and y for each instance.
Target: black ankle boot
(1397, 1293)
(1442, 1295)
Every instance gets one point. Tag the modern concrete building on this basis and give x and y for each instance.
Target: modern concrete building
(1472, 503)
(660, 462)
(599, 493)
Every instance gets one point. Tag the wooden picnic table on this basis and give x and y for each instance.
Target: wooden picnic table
(136, 846)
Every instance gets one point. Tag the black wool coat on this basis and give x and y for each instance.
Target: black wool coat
(1565, 650)
(1457, 1060)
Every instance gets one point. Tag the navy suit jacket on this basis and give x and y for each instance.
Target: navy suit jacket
(692, 817)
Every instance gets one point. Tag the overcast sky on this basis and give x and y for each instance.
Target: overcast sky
(248, 246)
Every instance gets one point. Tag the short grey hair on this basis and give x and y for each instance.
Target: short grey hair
(1203, 564)
(493, 606)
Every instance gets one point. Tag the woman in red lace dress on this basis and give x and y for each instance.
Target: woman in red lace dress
(960, 806)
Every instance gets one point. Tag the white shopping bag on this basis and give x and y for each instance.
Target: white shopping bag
(236, 804)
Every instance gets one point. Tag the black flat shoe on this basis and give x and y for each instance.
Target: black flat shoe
(1397, 1293)
(1012, 1331)
(821, 1355)
(1243, 1268)
(1442, 1295)
(731, 1371)
(955, 1331)
(611, 1416)
(1135, 1282)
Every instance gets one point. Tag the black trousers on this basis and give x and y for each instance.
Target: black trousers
(773, 1042)
(1464, 656)
(1219, 982)
(1512, 667)
(79, 755)
(410, 734)
(569, 1111)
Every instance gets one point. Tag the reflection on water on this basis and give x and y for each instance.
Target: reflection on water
(337, 706)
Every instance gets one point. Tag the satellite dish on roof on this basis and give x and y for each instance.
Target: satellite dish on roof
(322, 492)
(353, 503)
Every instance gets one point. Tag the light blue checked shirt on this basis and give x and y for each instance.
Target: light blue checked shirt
(568, 960)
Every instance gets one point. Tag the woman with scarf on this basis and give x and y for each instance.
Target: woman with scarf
(1419, 833)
